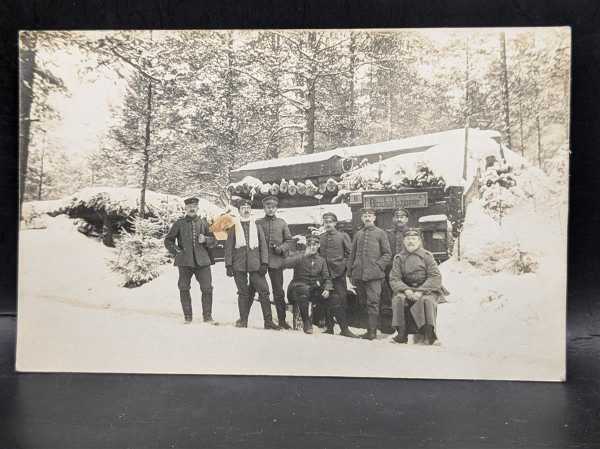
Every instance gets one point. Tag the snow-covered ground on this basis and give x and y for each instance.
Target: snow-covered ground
(74, 316)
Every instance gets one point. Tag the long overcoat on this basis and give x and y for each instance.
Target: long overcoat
(417, 271)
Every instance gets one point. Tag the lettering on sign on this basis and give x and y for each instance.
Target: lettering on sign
(395, 200)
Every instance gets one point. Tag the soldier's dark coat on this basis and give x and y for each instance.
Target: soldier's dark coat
(370, 254)
(335, 248)
(277, 233)
(245, 259)
(182, 242)
(311, 270)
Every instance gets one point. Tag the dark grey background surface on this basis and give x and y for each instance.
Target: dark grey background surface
(114, 411)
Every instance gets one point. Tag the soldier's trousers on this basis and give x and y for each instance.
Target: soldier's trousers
(337, 302)
(370, 292)
(276, 278)
(247, 282)
(423, 311)
(204, 277)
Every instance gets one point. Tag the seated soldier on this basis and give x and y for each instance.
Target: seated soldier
(311, 281)
(416, 282)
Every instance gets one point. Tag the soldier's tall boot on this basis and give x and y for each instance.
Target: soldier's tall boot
(306, 324)
(243, 306)
(186, 304)
(340, 314)
(329, 323)
(265, 306)
(207, 298)
(428, 334)
(371, 333)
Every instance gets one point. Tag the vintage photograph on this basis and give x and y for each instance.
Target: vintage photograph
(351, 202)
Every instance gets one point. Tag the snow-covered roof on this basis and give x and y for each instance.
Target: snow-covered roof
(445, 158)
(311, 214)
(422, 141)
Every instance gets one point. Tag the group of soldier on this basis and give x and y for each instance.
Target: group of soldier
(391, 262)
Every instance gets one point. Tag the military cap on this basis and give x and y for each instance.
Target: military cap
(312, 238)
(330, 215)
(191, 200)
(367, 210)
(412, 231)
(401, 209)
(244, 202)
(266, 199)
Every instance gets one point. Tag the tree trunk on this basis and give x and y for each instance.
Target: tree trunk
(351, 94)
(522, 143)
(27, 67)
(41, 180)
(505, 92)
(146, 150)
(311, 86)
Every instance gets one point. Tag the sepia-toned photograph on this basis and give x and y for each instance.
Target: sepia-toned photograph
(351, 203)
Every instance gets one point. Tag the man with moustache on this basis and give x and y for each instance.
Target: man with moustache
(335, 248)
(246, 260)
(278, 237)
(415, 281)
(191, 241)
(369, 259)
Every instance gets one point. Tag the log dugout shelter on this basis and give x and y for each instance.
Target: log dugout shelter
(437, 209)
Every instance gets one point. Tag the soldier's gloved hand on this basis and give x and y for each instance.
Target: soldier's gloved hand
(409, 293)
(277, 249)
(417, 295)
(201, 238)
(229, 270)
(325, 294)
(263, 269)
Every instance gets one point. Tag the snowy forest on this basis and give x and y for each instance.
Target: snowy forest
(118, 127)
(187, 107)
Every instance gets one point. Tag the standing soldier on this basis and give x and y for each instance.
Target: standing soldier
(416, 281)
(278, 236)
(335, 248)
(396, 238)
(190, 241)
(246, 260)
(396, 233)
(311, 281)
(368, 261)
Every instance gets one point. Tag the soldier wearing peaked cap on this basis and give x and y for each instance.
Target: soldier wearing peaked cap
(278, 237)
(395, 236)
(415, 281)
(311, 281)
(335, 248)
(369, 259)
(191, 241)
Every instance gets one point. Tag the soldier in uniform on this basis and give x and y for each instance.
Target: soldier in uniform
(278, 237)
(396, 233)
(416, 282)
(369, 259)
(246, 260)
(335, 248)
(191, 241)
(396, 238)
(311, 281)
